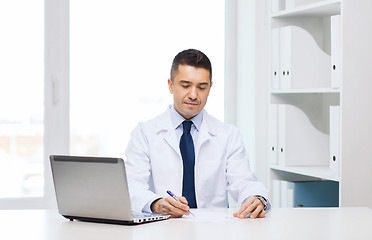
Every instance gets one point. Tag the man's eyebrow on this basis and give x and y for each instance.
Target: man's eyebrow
(184, 81)
(189, 82)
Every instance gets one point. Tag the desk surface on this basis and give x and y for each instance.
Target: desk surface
(298, 223)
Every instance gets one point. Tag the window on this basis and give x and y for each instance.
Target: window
(21, 98)
(120, 57)
(87, 92)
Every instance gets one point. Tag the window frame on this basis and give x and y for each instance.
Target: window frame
(56, 100)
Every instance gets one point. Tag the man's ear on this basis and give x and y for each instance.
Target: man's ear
(170, 85)
(210, 86)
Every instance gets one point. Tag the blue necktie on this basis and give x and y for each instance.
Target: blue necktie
(188, 158)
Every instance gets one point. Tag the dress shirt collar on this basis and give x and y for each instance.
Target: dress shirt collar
(177, 119)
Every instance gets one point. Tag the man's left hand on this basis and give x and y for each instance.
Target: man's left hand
(252, 206)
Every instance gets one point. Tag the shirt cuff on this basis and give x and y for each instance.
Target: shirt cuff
(264, 201)
(147, 207)
(267, 207)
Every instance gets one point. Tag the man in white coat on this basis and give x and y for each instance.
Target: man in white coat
(214, 163)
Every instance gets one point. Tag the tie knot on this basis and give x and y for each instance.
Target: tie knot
(186, 126)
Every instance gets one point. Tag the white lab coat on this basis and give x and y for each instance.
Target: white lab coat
(154, 164)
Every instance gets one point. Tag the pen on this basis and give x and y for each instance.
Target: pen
(174, 196)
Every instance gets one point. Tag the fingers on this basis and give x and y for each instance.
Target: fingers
(170, 206)
(252, 206)
(256, 212)
(183, 200)
(245, 205)
(262, 214)
(182, 205)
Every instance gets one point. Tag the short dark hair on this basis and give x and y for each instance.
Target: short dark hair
(191, 57)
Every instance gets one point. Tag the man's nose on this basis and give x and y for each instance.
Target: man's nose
(193, 94)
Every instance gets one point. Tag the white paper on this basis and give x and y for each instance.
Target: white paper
(209, 216)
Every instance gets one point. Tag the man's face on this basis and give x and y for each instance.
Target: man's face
(190, 89)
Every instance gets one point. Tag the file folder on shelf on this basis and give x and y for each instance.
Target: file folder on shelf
(289, 4)
(300, 143)
(281, 134)
(273, 134)
(275, 193)
(275, 58)
(303, 64)
(285, 51)
(336, 51)
(286, 194)
(282, 194)
(277, 5)
(334, 161)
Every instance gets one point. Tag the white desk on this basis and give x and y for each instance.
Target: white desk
(300, 223)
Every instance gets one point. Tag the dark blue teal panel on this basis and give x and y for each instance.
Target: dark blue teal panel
(316, 194)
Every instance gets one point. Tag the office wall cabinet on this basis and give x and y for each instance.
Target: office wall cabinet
(307, 72)
(317, 95)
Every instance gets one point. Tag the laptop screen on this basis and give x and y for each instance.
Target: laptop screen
(91, 187)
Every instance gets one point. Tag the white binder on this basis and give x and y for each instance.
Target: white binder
(334, 158)
(285, 57)
(275, 193)
(275, 58)
(297, 3)
(277, 5)
(303, 64)
(300, 143)
(273, 134)
(289, 4)
(336, 51)
(286, 194)
(281, 134)
(283, 194)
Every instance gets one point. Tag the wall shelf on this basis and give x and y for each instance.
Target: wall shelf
(307, 90)
(314, 173)
(319, 9)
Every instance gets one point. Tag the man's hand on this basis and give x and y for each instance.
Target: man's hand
(169, 206)
(252, 205)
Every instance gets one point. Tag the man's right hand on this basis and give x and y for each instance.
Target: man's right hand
(170, 206)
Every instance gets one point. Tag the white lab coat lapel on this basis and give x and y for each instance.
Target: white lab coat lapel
(170, 138)
(169, 135)
(206, 132)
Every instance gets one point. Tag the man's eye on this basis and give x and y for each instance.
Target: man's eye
(201, 88)
(185, 86)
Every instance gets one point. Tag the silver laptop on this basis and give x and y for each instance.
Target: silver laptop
(95, 189)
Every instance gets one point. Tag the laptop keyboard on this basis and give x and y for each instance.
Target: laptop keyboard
(139, 217)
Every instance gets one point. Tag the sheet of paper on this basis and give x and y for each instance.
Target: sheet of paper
(209, 216)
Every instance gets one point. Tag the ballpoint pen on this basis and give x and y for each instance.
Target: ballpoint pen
(174, 196)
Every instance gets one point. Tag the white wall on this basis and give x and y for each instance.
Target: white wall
(356, 124)
(246, 78)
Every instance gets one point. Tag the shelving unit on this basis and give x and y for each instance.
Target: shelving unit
(315, 173)
(315, 137)
(318, 9)
(304, 90)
